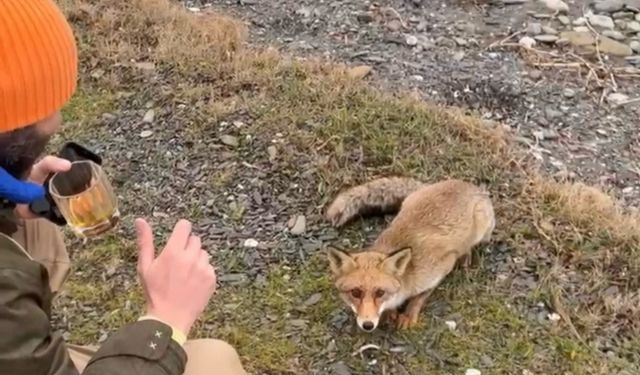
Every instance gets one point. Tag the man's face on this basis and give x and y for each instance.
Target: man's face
(19, 149)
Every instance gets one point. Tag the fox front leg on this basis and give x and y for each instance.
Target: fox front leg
(409, 318)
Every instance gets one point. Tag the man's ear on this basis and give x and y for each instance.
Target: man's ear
(397, 262)
(340, 261)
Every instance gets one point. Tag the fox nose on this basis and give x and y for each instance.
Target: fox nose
(368, 326)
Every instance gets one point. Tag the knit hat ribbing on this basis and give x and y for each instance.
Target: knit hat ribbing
(38, 62)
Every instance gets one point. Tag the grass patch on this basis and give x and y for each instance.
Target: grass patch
(567, 247)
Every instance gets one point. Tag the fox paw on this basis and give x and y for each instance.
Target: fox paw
(338, 213)
(406, 321)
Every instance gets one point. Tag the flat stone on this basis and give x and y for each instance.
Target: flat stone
(613, 34)
(411, 40)
(146, 134)
(394, 25)
(581, 29)
(608, 6)
(620, 24)
(569, 93)
(612, 47)
(581, 21)
(299, 225)
(549, 30)
(556, 5)
(634, 26)
(638, 17)
(623, 15)
(546, 38)
(600, 21)
(617, 98)
(534, 28)
(149, 116)
(564, 20)
(635, 46)
(633, 60)
(229, 140)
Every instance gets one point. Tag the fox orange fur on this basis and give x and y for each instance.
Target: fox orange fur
(437, 225)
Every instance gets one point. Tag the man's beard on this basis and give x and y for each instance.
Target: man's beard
(20, 149)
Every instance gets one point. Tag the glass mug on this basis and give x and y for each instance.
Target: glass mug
(85, 198)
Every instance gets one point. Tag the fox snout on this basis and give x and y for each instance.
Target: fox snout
(368, 324)
(367, 315)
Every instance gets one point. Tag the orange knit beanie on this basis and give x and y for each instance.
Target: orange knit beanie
(38, 62)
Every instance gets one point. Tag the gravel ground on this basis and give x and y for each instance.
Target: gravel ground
(440, 50)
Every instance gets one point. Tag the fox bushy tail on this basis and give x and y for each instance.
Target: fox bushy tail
(380, 196)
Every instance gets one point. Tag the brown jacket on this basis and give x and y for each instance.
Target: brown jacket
(29, 346)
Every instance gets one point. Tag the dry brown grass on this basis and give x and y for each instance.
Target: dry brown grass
(350, 132)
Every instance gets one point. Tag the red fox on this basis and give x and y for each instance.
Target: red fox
(437, 226)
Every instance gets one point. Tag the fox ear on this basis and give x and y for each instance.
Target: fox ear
(340, 261)
(397, 262)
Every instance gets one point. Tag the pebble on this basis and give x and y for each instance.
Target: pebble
(552, 113)
(638, 17)
(634, 60)
(461, 42)
(608, 6)
(617, 98)
(581, 21)
(394, 25)
(549, 30)
(620, 15)
(569, 93)
(250, 242)
(534, 28)
(146, 134)
(299, 225)
(634, 26)
(535, 74)
(527, 41)
(604, 22)
(546, 38)
(365, 17)
(417, 77)
(340, 368)
(451, 324)
(564, 20)
(149, 116)
(229, 140)
(556, 5)
(635, 46)
(304, 12)
(581, 29)
(613, 34)
(554, 317)
(620, 24)
(411, 40)
(272, 151)
(472, 371)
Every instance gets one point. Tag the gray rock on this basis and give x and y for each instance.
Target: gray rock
(608, 6)
(146, 134)
(315, 298)
(546, 38)
(569, 93)
(549, 30)
(617, 98)
(600, 21)
(304, 12)
(299, 225)
(581, 29)
(273, 152)
(234, 278)
(149, 116)
(581, 21)
(340, 368)
(620, 24)
(527, 41)
(365, 17)
(534, 28)
(556, 5)
(623, 15)
(551, 113)
(394, 25)
(638, 17)
(613, 34)
(411, 40)
(564, 20)
(535, 75)
(635, 46)
(633, 60)
(634, 26)
(461, 42)
(229, 140)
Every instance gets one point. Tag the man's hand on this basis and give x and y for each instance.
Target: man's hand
(38, 175)
(180, 281)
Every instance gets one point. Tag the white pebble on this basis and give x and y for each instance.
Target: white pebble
(451, 324)
(527, 42)
(146, 134)
(472, 371)
(554, 317)
(250, 242)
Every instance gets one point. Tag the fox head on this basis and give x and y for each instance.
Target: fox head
(369, 282)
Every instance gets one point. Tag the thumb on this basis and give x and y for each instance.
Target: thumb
(146, 250)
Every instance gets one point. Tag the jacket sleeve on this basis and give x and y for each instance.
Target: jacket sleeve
(27, 345)
(143, 348)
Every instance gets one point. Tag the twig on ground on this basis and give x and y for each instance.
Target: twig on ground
(365, 348)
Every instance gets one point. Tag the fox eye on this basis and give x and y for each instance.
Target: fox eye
(356, 293)
(380, 293)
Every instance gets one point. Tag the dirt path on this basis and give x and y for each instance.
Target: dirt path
(439, 50)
